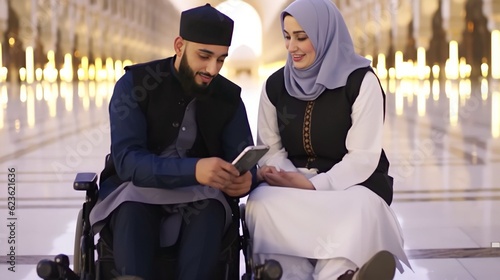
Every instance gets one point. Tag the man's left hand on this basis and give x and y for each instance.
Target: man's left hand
(239, 186)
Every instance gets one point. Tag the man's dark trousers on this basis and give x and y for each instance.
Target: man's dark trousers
(136, 233)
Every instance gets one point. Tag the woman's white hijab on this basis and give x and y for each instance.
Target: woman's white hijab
(335, 56)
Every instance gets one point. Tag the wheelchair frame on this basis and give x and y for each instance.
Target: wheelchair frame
(86, 267)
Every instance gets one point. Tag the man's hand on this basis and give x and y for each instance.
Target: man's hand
(222, 175)
(240, 185)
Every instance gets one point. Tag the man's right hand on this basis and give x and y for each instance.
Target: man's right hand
(216, 172)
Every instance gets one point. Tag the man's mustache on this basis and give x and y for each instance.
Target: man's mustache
(206, 74)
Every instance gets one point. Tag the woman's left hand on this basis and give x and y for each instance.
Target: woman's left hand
(288, 179)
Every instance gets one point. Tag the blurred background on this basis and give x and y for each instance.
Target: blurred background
(438, 62)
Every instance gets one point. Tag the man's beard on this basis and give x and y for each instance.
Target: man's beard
(187, 80)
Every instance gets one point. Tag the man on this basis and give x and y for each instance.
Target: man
(175, 126)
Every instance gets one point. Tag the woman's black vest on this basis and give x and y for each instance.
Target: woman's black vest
(323, 125)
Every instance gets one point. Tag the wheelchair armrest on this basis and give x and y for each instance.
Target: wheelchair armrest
(246, 234)
(85, 181)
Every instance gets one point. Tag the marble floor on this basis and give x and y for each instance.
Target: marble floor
(442, 138)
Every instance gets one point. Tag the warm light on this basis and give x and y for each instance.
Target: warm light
(392, 85)
(447, 88)
(127, 62)
(484, 69)
(22, 74)
(484, 89)
(92, 72)
(110, 72)
(392, 73)
(399, 101)
(84, 94)
(436, 89)
(85, 68)
(495, 55)
(370, 58)
(47, 94)
(118, 69)
(50, 72)
(435, 71)
(4, 98)
(422, 99)
(381, 67)
(100, 74)
(39, 92)
(495, 116)
(3, 102)
(452, 64)
(81, 74)
(67, 90)
(50, 95)
(30, 65)
(55, 90)
(12, 41)
(30, 107)
(421, 63)
(92, 89)
(399, 64)
(51, 57)
(464, 68)
(465, 90)
(427, 71)
(454, 102)
(22, 93)
(38, 74)
(1, 62)
(100, 94)
(67, 70)
(3, 74)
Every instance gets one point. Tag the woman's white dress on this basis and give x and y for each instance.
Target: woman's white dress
(339, 218)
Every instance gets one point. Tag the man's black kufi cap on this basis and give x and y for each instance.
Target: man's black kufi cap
(206, 25)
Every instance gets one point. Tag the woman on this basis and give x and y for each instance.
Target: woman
(323, 208)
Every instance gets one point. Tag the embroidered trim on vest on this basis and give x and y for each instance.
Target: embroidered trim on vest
(306, 138)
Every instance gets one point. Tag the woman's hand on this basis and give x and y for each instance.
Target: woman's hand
(265, 170)
(274, 177)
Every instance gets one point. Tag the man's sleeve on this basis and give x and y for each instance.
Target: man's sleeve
(133, 161)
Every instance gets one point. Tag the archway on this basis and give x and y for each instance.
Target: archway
(246, 45)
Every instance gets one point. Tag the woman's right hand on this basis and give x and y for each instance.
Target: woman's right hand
(265, 170)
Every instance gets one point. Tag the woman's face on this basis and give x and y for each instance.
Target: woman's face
(298, 43)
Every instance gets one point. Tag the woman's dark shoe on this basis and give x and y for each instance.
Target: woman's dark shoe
(382, 266)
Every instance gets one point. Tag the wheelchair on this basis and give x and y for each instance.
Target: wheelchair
(86, 267)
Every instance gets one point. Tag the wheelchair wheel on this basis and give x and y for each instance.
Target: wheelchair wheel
(77, 251)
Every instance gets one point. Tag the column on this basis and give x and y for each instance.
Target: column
(4, 17)
(437, 52)
(423, 30)
(453, 11)
(67, 29)
(403, 14)
(372, 28)
(353, 20)
(491, 9)
(27, 33)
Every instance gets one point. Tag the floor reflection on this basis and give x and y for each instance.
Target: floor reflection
(441, 136)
